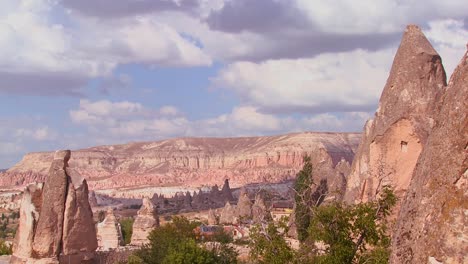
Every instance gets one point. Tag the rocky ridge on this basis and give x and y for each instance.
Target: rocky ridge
(432, 224)
(192, 161)
(56, 221)
(393, 140)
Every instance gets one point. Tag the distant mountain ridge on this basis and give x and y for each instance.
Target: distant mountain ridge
(193, 161)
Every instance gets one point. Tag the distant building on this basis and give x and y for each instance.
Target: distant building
(280, 209)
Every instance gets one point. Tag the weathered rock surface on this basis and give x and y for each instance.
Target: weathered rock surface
(259, 210)
(49, 230)
(212, 217)
(432, 224)
(109, 235)
(56, 221)
(393, 141)
(226, 192)
(228, 214)
(192, 161)
(146, 220)
(244, 206)
(79, 232)
(29, 214)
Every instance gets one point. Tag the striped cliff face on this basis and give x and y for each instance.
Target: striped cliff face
(194, 161)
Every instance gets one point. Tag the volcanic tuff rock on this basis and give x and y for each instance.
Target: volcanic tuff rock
(49, 229)
(29, 214)
(392, 142)
(56, 220)
(146, 220)
(193, 161)
(212, 217)
(109, 234)
(259, 210)
(244, 205)
(228, 214)
(432, 225)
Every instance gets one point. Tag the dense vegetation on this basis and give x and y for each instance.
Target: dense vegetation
(330, 233)
(177, 243)
(126, 225)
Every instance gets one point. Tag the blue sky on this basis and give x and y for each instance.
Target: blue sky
(80, 73)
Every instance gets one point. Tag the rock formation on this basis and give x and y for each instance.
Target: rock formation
(432, 225)
(212, 218)
(393, 140)
(259, 210)
(29, 214)
(226, 192)
(56, 221)
(244, 205)
(49, 229)
(228, 214)
(92, 199)
(146, 220)
(192, 161)
(109, 234)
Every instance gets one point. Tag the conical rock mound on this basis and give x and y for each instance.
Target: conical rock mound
(146, 220)
(393, 140)
(432, 225)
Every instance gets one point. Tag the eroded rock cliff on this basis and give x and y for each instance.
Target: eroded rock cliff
(56, 221)
(192, 161)
(432, 225)
(393, 140)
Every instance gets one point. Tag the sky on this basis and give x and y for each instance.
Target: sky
(81, 73)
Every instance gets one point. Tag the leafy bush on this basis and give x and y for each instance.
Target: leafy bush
(126, 224)
(176, 243)
(4, 248)
(268, 244)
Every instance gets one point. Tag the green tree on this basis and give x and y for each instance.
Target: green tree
(5, 249)
(302, 198)
(268, 245)
(342, 233)
(176, 243)
(126, 225)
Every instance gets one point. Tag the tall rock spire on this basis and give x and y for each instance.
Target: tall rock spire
(392, 142)
(431, 227)
(146, 220)
(56, 221)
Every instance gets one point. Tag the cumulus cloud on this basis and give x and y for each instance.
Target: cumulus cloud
(305, 28)
(350, 81)
(119, 8)
(449, 37)
(41, 56)
(117, 122)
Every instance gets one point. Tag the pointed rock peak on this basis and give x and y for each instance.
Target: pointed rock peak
(415, 40)
(63, 155)
(110, 216)
(147, 204)
(226, 185)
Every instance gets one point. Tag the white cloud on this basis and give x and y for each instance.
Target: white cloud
(106, 123)
(449, 38)
(350, 81)
(34, 46)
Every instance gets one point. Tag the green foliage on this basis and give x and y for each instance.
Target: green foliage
(222, 237)
(188, 252)
(352, 233)
(176, 243)
(126, 224)
(5, 249)
(268, 244)
(302, 197)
